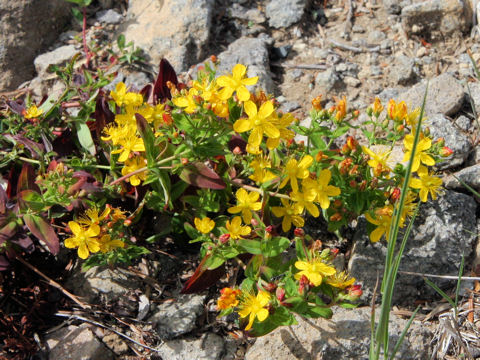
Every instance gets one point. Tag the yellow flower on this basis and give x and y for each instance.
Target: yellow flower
(412, 118)
(397, 112)
(295, 169)
(378, 162)
(409, 206)
(427, 184)
(188, 101)
(130, 144)
(281, 124)
(91, 216)
(420, 153)
(254, 307)
(122, 97)
(377, 107)
(305, 200)
(340, 280)
(289, 213)
(383, 219)
(33, 112)
(228, 298)
(237, 83)
(314, 270)
(246, 203)
(204, 225)
(84, 239)
(261, 174)
(258, 121)
(321, 188)
(341, 108)
(134, 164)
(107, 244)
(235, 228)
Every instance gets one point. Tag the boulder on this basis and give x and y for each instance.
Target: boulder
(27, 27)
(209, 347)
(284, 13)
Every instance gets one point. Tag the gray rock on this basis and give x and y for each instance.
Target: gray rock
(289, 106)
(358, 29)
(175, 29)
(449, 16)
(27, 27)
(176, 318)
(351, 81)
(294, 74)
(445, 95)
(99, 282)
(392, 6)
(76, 343)
(254, 15)
(376, 36)
(443, 231)
(284, 13)
(474, 157)
(346, 336)
(403, 70)
(252, 53)
(469, 175)
(109, 17)
(389, 93)
(440, 126)
(327, 81)
(464, 123)
(209, 347)
(59, 56)
(475, 95)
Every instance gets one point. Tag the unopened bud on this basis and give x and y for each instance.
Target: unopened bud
(355, 113)
(336, 217)
(316, 103)
(237, 150)
(254, 222)
(269, 229)
(280, 294)
(353, 184)
(440, 141)
(270, 287)
(395, 194)
(184, 161)
(213, 59)
(224, 238)
(127, 222)
(299, 232)
(446, 151)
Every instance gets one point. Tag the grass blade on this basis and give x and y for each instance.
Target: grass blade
(440, 291)
(403, 334)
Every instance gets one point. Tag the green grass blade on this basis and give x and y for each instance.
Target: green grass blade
(440, 291)
(468, 187)
(459, 281)
(403, 334)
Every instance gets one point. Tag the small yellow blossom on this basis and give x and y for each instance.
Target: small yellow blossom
(91, 216)
(289, 213)
(281, 124)
(258, 121)
(246, 203)
(134, 164)
(428, 184)
(33, 112)
(261, 173)
(377, 107)
(254, 307)
(421, 156)
(397, 112)
(187, 102)
(235, 228)
(129, 145)
(378, 162)
(305, 200)
(383, 219)
(295, 169)
(107, 244)
(236, 83)
(204, 225)
(341, 108)
(321, 188)
(340, 280)
(122, 97)
(314, 270)
(84, 239)
(228, 298)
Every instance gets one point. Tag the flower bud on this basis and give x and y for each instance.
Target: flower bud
(337, 203)
(184, 161)
(270, 287)
(317, 245)
(446, 151)
(280, 294)
(395, 195)
(254, 222)
(269, 229)
(336, 217)
(224, 238)
(353, 184)
(440, 141)
(316, 103)
(213, 59)
(299, 232)
(345, 150)
(354, 292)
(334, 252)
(127, 222)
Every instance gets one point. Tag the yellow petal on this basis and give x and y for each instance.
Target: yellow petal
(250, 108)
(250, 81)
(239, 71)
(262, 315)
(76, 228)
(242, 93)
(242, 125)
(83, 251)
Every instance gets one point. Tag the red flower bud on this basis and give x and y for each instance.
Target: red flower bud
(184, 161)
(269, 229)
(280, 294)
(446, 151)
(270, 287)
(395, 195)
(299, 232)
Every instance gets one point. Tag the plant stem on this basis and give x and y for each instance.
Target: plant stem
(84, 35)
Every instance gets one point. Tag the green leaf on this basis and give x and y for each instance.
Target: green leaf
(146, 133)
(275, 246)
(281, 317)
(85, 137)
(43, 231)
(250, 246)
(317, 141)
(30, 199)
(300, 249)
(315, 312)
(191, 231)
(121, 41)
(229, 253)
(348, 305)
(253, 266)
(214, 261)
(291, 288)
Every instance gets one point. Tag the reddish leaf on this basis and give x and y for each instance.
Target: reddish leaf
(30, 199)
(8, 231)
(35, 149)
(3, 201)
(43, 231)
(166, 73)
(202, 278)
(200, 175)
(102, 115)
(3, 263)
(18, 106)
(26, 180)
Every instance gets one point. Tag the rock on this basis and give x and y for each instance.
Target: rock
(351, 81)
(27, 27)
(358, 29)
(376, 36)
(284, 13)
(475, 95)
(346, 336)
(460, 143)
(445, 95)
(175, 29)
(464, 123)
(99, 282)
(59, 56)
(109, 17)
(76, 343)
(327, 81)
(289, 106)
(447, 16)
(209, 347)
(392, 6)
(403, 71)
(443, 231)
(115, 343)
(252, 53)
(178, 317)
(469, 175)
(254, 15)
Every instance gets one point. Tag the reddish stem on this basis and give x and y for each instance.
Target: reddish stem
(84, 35)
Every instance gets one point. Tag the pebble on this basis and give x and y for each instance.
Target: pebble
(109, 17)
